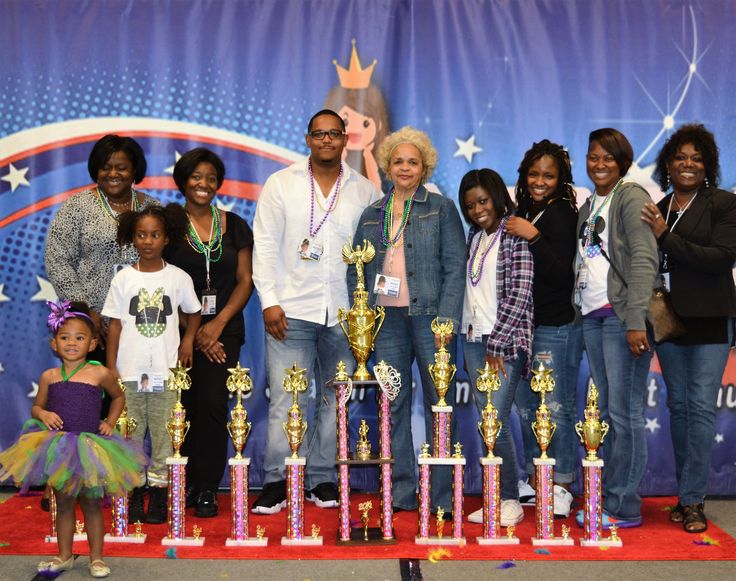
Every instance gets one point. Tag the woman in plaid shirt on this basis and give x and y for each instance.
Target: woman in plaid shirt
(499, 309)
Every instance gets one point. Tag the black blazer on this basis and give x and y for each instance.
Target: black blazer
(701, 252)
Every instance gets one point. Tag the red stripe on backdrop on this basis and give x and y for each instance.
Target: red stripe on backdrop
(144, 133)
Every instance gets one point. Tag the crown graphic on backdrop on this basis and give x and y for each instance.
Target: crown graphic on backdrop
(354, 77)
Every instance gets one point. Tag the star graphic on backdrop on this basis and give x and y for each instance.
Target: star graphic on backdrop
(16, 177)
(3, 296)
(652, 424)
(170, 169)
(45, 292)
(2, 368)
(34, 389)
(719, 438)
(227, 207)
(467, 148)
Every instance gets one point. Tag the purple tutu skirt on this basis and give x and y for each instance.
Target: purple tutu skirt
(73, 463)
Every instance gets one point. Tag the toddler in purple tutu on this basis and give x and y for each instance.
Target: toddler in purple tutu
(66, 445)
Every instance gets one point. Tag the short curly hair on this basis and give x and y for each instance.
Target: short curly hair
(704, 143)
(418, 139)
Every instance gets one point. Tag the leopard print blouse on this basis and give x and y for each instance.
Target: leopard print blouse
(81, 251)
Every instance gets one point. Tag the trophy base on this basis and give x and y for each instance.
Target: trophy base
(77, 538)
(498, 541)
(305, 542)
(246, 542)
(601, 543)
(185, 542)
(553, 542)
(440, 541)
(133, 539)
(375, 537)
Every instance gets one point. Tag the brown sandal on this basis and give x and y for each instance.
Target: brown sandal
(694, 519)
(676, 514)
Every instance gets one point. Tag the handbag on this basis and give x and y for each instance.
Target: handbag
(664, 322)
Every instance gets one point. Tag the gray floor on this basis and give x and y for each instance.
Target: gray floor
(722, 512)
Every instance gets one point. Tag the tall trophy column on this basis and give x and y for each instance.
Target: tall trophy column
(119, 529)
(489, 426)
(442, 374)
(592, 432)
(239, 427)
(544, 428)
(177, 427)
(295, 427)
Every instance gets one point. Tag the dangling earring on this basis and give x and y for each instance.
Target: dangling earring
(707, 183)
(667, 183)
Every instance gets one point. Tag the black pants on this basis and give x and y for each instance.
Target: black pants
(206, 403)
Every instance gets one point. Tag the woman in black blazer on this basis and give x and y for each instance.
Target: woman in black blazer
(695, 227)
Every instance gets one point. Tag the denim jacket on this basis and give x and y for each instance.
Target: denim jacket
(434, 252)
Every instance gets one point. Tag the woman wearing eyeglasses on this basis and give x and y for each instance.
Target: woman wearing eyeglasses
(616, 268)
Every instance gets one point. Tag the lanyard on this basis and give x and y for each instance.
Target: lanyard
(680, 213)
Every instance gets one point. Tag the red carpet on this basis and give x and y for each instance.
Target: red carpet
(23, 526)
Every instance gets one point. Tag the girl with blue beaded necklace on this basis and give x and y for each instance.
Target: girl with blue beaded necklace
(499, 308)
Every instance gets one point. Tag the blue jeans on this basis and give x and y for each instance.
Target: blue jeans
(475, 359)
(317, 348)
(621, 380)
(693, 376)
(560, 348)
(401, 340)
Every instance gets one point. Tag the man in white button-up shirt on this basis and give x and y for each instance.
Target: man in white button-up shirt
(305, 214)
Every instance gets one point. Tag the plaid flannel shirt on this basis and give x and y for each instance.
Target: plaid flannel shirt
(513, 332)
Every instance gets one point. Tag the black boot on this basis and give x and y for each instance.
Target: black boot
(136, 511)
(157, 505)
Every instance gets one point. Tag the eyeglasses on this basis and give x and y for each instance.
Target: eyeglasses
(319, 134)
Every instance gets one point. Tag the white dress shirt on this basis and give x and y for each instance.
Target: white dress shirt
(309, 290)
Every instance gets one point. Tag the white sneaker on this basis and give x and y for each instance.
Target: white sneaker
(527, 494)
(563, 501)
(511, 512)
(476, 516)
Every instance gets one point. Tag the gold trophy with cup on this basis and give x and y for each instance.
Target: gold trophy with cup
(239, 427)
(361, 323)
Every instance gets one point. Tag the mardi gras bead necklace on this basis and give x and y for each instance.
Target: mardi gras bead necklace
(214, 244)
(312, 230)
(388, 237)
(477, 258)
(105, 203)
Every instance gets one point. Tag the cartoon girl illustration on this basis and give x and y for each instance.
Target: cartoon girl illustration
(360, 103)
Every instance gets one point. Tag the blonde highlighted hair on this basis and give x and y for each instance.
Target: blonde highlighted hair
(415, 137)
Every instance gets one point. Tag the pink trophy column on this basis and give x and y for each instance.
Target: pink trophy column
(343, 469)
(387, 510)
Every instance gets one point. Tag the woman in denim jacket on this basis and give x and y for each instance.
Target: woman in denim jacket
(420, 247)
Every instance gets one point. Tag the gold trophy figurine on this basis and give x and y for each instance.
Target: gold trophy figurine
(365, 508)
(543, 427)
(441, 371)
(363, 323)
(238, 427)
(440, 522)
(125, 424)
(177, 426)
(489, 426)
(363, 447)
(295, 427)
(592, 431)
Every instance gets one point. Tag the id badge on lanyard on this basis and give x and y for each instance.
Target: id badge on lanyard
(208, 295)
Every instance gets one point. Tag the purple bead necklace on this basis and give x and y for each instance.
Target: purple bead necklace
(312, 230)
(472, 274)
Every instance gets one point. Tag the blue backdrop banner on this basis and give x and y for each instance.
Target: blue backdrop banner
(485, 79)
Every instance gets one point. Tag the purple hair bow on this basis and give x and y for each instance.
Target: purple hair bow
(60, 313)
